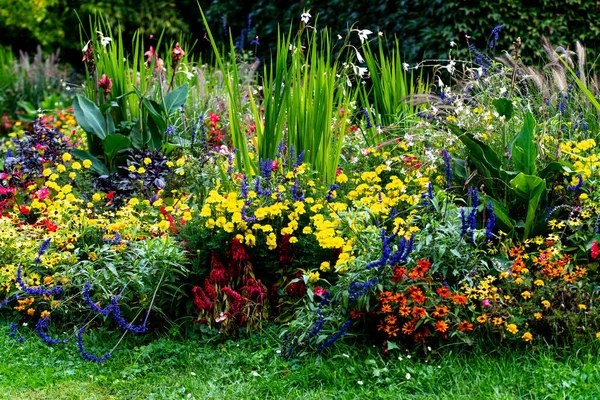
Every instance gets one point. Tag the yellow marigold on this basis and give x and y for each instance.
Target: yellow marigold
(582, 307)
(325, 266)
(76, 165)
(45, 314)
(527, 336)
(341, 178)
(66, 157)
(97, 197)
(538, 315)
(546, 303)
(512, 328)
(597, 335)
(147, 161)
(61, 168)
(539, 282)
(526, 295)
(313, 276)
(87, 164)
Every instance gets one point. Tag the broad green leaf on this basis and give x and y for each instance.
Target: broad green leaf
(501, 213)
(97, 166)
(89, 117)
(482, 155)
(504, 107)
(530, 188)
(523, 148)
(113, 144)
(175, 99)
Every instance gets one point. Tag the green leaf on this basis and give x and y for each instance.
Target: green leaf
(504, 107)
(523, 148)
(97, 166)
(113, 144)
(530, 188)
(89, 117)
(175, 99)
(485, 159)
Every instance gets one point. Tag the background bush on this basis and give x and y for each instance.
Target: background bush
(424, 27)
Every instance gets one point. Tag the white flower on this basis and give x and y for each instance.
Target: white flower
(339, 37)
(407, 375)
(359, 382)
(359, 57)
(364, 35)
(450, 66)
(192, 373)
(360, 71)
(105, 41)
(254, 373)
(405, 66)
(305, 17)
(380, 33)
(452, 43)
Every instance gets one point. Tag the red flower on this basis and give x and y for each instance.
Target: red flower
(24, 209)
(319, 291)
(595, 250)
(465, 326)
(110, 195)
(443, 291)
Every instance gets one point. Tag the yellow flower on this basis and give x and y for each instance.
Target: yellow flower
(313, 277)
(72, 175)
(46, 172)
(131, 168)
(97, 197)
(92, 256)
(546, 303)
(512, 328)
(518, 281)
(597, 335)
(538, 315)
(582, 307)
(341, 178)
(526, 295)
(76, 165)
(141, 170)
(147, 161)
(497, 321)
(30, 311)
(293, 239)
(66, 157)
(539, 282)
(45, 314)
(61, 168)
(87, 164)
(134, 201)
(482, 319)
(527, 337)
(325, 266)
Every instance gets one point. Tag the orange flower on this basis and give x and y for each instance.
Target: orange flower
(441, 326)
(404, 311)
(440, 311)
(482, 319)
(419, 312)
(459, 299)
(409, 327)
(391, 320)
(386, 308)
(443, 292)
(527, 337)
(465, 326)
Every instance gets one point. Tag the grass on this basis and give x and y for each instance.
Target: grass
(251, 369)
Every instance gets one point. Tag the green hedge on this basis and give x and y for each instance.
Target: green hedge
(425, 27)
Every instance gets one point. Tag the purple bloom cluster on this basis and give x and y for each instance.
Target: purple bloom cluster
(329, 196)
(13, 333)
(37, 290)
(357, 289)
(447, 167)
(387, 257)
(336, 336)
(490, 223)
(244, 187)
(493, 38)
(40, 328)
(469, 222)
(368, 125)
(297, 194)
(83, 351)
(321, 321)
(245, 216)
(114, 310)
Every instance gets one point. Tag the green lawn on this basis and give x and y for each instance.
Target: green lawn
(252, 369)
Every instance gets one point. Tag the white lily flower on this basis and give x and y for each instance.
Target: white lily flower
(305, 17)
(364, 35)
(359, 57)
(360, 71)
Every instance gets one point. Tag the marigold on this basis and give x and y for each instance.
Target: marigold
(512, 328)
(526, 295)
(527, 337)
(538, 315)
(546, 303)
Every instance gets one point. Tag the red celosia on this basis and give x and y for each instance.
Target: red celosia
(218, 274)
(201, 301)
(210, 290)
(284, 248)
(595, 251)
(236, 301)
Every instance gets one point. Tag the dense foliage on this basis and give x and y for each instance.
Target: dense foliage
(208, 200)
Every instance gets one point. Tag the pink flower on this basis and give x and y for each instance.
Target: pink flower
(319, 291)
(43, 193)
(485, 302)
(150, 54)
